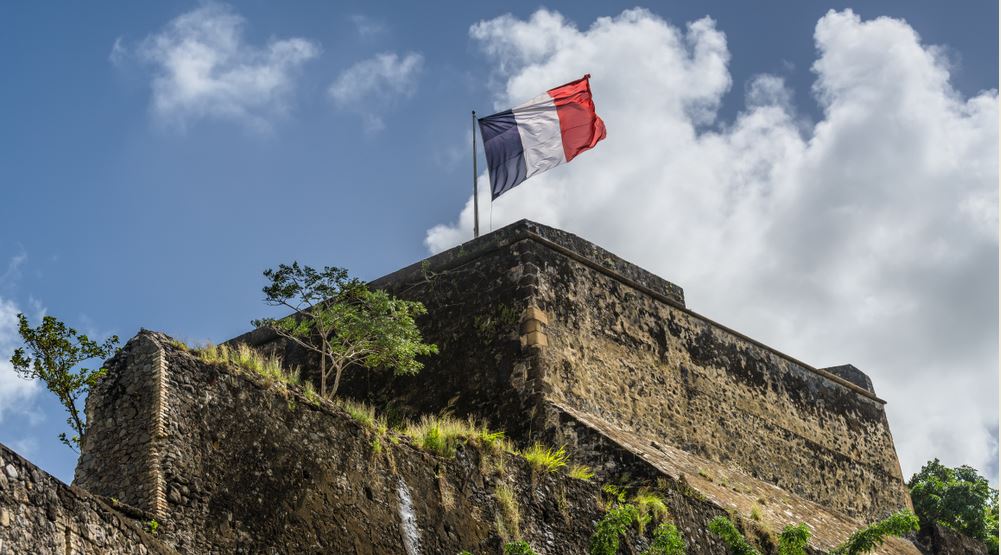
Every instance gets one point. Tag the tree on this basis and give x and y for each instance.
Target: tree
(340, 319)
(53, 351)
(958, 498)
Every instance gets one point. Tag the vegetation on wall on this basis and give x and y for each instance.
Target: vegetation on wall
(643, 507)
(52, 353)
(794, 539)
(344, 323)
(958, 498)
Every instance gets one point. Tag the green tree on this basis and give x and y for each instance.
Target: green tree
(958, 498)
(345, 323)
(51, 354)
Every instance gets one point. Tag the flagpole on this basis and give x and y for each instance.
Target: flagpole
(476, 197)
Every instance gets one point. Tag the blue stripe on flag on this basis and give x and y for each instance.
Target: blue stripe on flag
(505, 153)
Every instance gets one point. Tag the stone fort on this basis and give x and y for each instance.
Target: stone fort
(542, 335)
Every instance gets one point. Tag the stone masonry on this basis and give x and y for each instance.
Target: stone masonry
(543, 333)
(41, 515)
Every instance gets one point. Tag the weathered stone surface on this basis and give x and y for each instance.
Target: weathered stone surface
(622, 350)
(256, 469)
(939, 540)
(40, 514)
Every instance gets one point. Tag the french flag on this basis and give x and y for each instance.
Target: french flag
(542, 133)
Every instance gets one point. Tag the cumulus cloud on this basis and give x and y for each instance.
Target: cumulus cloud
(372, 86)
(16, 393)
(205, 69)
(870, 236)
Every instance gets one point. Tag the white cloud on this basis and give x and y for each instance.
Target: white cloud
(13, 271)
(16, 393)
(372, 86)
(367, 27)
(869, 237)
(205, 69)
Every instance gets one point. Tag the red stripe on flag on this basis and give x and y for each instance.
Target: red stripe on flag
(580, 126)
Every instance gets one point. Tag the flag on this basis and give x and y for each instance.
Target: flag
(542, 133)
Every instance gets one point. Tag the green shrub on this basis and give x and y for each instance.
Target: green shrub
(518, 548)
(605, 540)
(872, 536)
(793, 540)
(544, 458)
(666, 541)
(734, 540)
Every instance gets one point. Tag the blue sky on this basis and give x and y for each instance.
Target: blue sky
(124, 205)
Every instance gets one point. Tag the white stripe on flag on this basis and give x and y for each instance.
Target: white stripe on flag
(539, 128)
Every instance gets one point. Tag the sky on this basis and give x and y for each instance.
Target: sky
(820, 176)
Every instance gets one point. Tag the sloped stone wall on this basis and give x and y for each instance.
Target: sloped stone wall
(39, 514)
(251, 468)
(675, 377)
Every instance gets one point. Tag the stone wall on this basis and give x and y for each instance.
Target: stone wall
(40, 514)
(251, 467)
(673, 376)
(620, 345)
(126, 427)
(530, 318)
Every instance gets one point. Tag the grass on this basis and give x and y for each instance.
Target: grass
(268, 368)
(508, 516)
(364, 414)
(544, 458)
(441, 435)
(650, 507)
(580, 472)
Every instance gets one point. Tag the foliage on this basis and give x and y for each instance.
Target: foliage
(580, 472)
(649, 507)
(605, 540)
(51, 352)
(725, 529)
(793, 540)
(544, 458)
(518, 548)
(666, 541)
(508, 515)
(872, 536)
(958, 498)
(612, 494)
(153, 526)
(345, 323)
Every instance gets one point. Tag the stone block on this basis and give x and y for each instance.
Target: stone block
(534, 313)
(535, 338)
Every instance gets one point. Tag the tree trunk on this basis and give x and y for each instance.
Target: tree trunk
(337, 381)
(323, 375)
